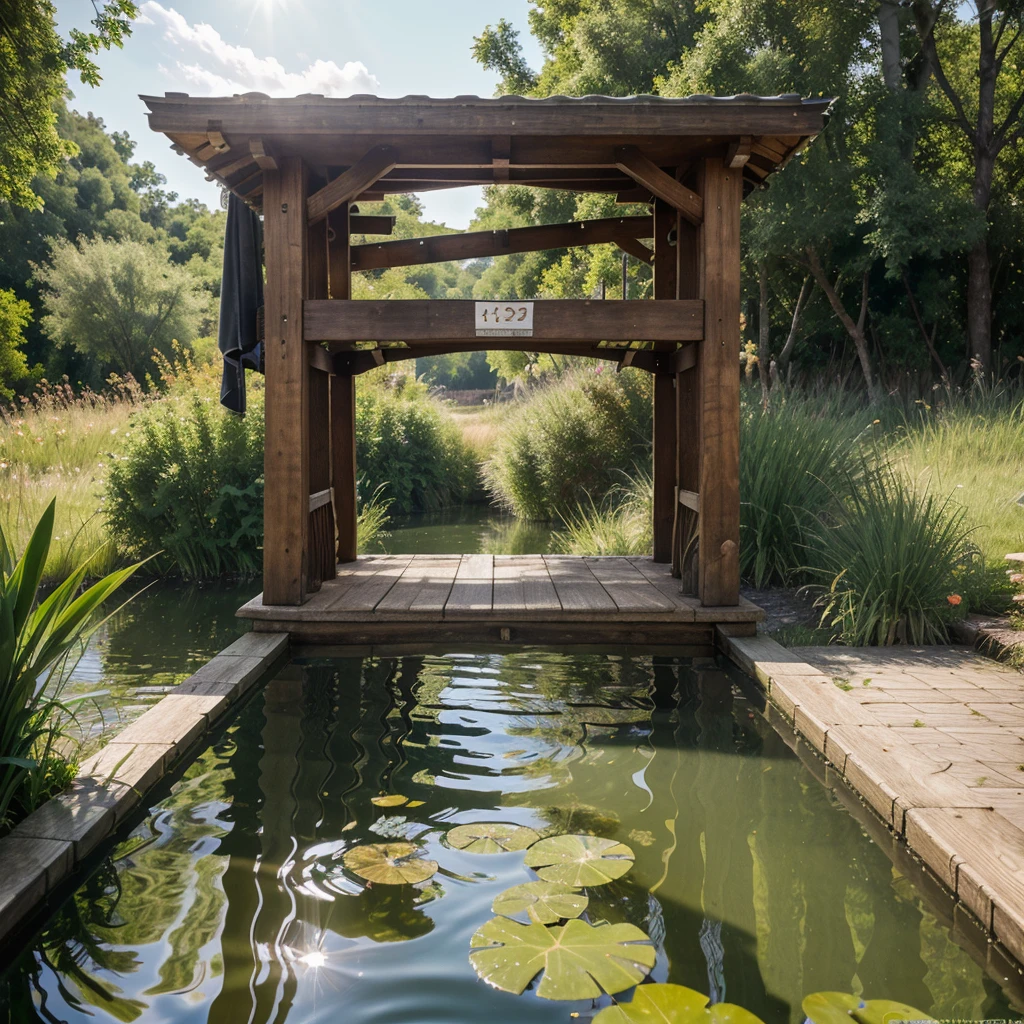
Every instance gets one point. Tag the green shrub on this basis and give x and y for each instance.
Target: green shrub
(570, 441)
(897, 559)
(188, 482)
(622, 525)
(409, 448)
(40, 643)
(793, 458)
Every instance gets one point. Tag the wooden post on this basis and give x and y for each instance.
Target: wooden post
(664, 439)
(686, 534)
(285, 460)
(718, 580)
(343, 399)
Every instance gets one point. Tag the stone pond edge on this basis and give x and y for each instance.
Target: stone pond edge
(43, 851)
(975, 852)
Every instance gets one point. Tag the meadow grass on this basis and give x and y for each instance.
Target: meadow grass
(480, 426)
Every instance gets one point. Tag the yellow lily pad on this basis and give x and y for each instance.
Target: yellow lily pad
(579, 860)
(673, 1004)
(391, 800)
(491, 837)
(390, 863)
(541, 902)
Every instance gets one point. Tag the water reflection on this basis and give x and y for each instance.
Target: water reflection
(231, 901)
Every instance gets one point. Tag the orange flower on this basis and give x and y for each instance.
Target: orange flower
(954, 599)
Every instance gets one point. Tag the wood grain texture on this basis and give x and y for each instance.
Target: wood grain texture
(359, 177)
(664, 420)
(645, 172)
(719, 568)
(285, 463)
(554, 320)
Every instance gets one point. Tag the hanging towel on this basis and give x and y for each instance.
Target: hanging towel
(241, 299)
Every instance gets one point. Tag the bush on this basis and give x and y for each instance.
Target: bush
(622, 525)
(409, 448)
(570, 442)
(793, 458)
(897, 559)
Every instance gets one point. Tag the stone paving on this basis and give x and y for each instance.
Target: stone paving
(959, 709)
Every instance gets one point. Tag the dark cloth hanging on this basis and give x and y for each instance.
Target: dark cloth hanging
(241, 299)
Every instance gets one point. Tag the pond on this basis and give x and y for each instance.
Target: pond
(242, 894)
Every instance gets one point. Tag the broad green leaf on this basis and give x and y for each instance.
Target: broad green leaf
(491, 837)
(673, 1004)
(540, 902)
(393, 800)
(842, 1007)
(24, 581)
(579, 860)
(390, 863)
(578, 960)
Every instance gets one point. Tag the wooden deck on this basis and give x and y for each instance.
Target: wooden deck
(557, 599)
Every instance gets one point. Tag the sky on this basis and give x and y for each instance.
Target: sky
(287, 47)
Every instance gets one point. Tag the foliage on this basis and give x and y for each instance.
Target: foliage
(15, 315)
(390, 863)
(674, 1003)
(572, 439)
(895, 558)
(579, 860)
(792, 459)
(458, 371)
(118, 301)
(408, 447)
(40, 642)
(841, 1007)
(491, 837)
(34, 60)
(540, 902)
(621, 525)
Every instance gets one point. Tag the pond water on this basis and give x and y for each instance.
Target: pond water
(232, 899)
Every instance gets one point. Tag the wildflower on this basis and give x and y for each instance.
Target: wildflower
(954, 599)
(3, 465)
(114, 431)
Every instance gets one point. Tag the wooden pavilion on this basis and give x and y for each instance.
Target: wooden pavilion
(304, 162)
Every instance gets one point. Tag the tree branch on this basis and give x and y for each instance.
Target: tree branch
(927, 17)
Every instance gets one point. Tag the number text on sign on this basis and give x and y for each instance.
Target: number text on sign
(504, 319)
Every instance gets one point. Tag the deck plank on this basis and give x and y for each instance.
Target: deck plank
(423, 587)
(627, 586)
(522, 586)
(476, 567)
(361, 587)
(577, 588)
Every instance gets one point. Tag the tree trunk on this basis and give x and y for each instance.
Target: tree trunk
(854, 329)
(787, 349)
(764, 331)
(889, 30)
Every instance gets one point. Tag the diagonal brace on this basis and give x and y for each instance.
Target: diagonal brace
(356, 180)
(648, 174)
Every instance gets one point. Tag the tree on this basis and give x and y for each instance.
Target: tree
(986, 105)
(118, 301)
(498, 49)
(33, 62)
(15, 315)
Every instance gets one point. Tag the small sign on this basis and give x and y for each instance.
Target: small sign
(504, 319)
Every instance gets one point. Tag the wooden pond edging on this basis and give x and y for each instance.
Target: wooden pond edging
(44, 850)
(971, 848)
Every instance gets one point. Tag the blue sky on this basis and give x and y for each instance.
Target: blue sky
(285, 47)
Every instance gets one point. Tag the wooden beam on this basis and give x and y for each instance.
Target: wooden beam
(719, 565)
(553, 320)
(664, 420)
(371, 224)
(683, 359)
(263, 153)
(738, 152)
(285, 463)
(635, 248)
(663, 185)
(690, 499)
(358, 178)
(409, 252)
(343, 463)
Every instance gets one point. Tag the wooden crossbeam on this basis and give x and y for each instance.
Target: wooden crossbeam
(738, 152)
(454, 319)
(648, 174)
(635, 248)
(409, 252)
(683, 359)
(371, 224)
(357, 179)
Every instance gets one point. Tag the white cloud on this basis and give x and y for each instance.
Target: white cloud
(215, 67)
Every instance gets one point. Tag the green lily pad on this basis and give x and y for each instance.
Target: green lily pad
(842, 1007)
(392, 800)
(579, 860)
(579, 960)
(673, 1004)
(390, 863)
(540, 902)
(491, 837)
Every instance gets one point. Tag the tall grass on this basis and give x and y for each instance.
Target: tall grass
(621, 525)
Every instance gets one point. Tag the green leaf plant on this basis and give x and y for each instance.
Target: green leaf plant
(41, 640)
(675, 1004)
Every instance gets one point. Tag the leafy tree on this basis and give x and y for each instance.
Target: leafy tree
(118, 301)
(15, 315)
(33, 62)
(498, 49)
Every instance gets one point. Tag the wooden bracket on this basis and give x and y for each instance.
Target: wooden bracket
(689, 499)
(501, 151)
(648, 174)
(371, 224)
(738, 152)
(319, 358)
(683, 359)
(215, 138)
(354, 182)
(627, 360)
(634, 248)
(263, 154)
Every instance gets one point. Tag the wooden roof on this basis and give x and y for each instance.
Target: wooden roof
(558, 142)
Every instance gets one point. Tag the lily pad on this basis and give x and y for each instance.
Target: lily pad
(673, 1004)
(578, 960)
(391, 800)
(842, 1007)
(491, 837)
(540, 902)
(390, 863)
(579, 860)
